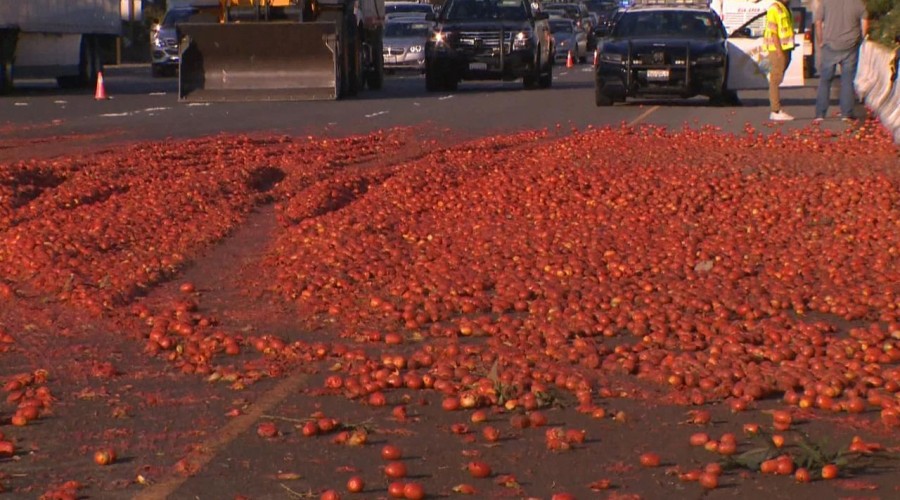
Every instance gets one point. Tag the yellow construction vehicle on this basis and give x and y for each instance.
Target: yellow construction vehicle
(271, 50)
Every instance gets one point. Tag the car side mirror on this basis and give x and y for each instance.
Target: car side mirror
(742, 33)
(541, 16)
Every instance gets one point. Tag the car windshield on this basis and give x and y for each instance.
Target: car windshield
(561, 27)
(406, 30)
(469, 10)
(602, 5)
(571, 10)
(418, 8)
(668, 24)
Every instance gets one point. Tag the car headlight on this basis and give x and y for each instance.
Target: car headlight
(415, 49)
(710, 59)
(611, 57)
(564, 42)
(522, 40)
(441, 37)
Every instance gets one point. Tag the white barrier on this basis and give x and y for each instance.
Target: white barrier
(874, 77)
(889, 113)
(878, 84)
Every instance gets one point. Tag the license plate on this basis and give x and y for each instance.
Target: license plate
(657, 74)
(478, 66)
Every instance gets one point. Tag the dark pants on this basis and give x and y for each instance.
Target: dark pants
(848, 60)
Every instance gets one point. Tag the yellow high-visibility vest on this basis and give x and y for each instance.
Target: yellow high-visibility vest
(780, 23)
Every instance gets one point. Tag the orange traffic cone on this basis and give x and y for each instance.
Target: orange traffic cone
(570, 63)
(596, 57)
(100, 93)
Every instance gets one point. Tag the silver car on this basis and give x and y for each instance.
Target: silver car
(163, 37)
(568, 38)
(404, 44)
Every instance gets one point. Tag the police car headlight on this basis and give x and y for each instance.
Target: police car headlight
(441, 37)
(522, 40)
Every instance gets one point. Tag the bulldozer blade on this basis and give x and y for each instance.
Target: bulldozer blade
(257, 61)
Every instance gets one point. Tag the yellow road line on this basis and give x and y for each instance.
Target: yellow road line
(237, 426)
(643, 115)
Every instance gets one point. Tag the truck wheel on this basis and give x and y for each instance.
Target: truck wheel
(545, 81)
(375, 76)
(85, 67)
(451, 81)
(601, 98)
(354, 75)
(6, 82)
(725, 98)
(432, 79)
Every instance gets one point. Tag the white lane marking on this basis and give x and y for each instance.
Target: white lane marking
(198, 104)
(60, 101)
(587, 70)
(157, 93)
(643, 115)
(377, 113)
(21, 104)
(332, 123)
(151, 110)
(445, 97)
(416, 104)
(115, 115)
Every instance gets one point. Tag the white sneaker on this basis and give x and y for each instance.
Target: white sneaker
(780, 116)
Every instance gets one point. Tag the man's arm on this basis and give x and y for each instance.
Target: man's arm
(818, 33)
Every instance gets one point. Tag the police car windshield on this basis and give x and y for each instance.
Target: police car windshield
(472, 10)
(669, 23)
(408, 7)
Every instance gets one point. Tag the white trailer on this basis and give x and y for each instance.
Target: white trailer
(68, 40)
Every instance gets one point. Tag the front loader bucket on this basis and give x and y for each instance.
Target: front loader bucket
(257, 61)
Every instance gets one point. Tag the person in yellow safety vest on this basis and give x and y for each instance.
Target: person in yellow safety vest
(779, 42)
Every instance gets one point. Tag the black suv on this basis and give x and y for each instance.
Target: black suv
(663, 50)
(489, 40)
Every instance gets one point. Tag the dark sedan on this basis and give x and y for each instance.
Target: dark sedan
(664, 51)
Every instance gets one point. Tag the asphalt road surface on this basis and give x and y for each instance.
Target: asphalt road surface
(141, 107)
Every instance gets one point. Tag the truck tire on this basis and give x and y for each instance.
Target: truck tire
(433, 79)
(86, 68)
(375, 76)
(7, 52)
(545, 81)
(534, 79)
(6, 81)
(354, 73)
(451, 80)
(601, 98)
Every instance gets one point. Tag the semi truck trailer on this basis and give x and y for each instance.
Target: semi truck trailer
(68, 40)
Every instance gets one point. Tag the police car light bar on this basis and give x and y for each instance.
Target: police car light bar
(693, 3)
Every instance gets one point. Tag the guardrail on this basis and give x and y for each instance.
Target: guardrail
(878, 84)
